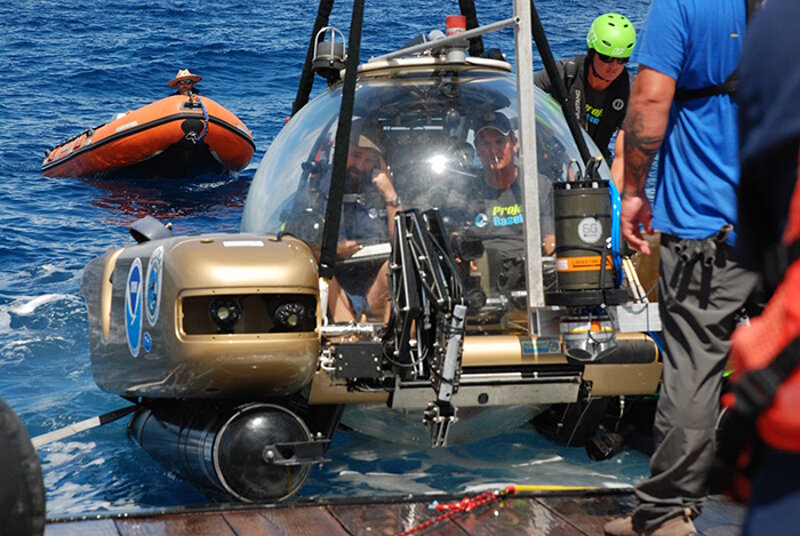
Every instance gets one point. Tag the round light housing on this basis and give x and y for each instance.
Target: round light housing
(225, 312)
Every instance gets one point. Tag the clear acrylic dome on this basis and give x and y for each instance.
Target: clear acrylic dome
(429, 119)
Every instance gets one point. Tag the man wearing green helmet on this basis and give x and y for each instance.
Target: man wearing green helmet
(598, 83)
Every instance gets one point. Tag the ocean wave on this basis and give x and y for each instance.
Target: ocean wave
(27, 306)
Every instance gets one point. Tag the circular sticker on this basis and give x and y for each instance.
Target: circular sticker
(481, 220)
(133, 306)
(590, 230)
(147, 341)
(153, 289)
(618, 104)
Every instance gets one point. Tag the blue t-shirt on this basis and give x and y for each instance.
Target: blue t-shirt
(698, 43)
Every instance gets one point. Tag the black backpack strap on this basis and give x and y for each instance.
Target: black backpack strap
(726, 88)
(731, 83)
(570, 72)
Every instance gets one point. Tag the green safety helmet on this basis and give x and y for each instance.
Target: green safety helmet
(612, 35)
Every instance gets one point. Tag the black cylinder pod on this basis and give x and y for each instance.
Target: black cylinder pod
(582, 217)
(225, 450)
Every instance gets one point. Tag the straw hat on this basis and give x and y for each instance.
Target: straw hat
(184, 74)
(368, 134)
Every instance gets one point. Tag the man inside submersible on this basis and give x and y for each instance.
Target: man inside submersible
(493, 216)
(368, 209)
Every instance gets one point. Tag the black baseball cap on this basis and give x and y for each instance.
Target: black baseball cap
(495, 120)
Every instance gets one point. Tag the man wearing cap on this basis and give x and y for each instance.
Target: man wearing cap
(185, 82)
(368, 209)
(500, 194)
(494, 213)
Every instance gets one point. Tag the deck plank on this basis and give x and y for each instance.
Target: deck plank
(558, 515)
(589, 514)
(188, 524)
(515, 516)
(98, 527)
(297, 521)
(390, 519)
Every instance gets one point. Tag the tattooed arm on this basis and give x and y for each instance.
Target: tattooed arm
(645, 126)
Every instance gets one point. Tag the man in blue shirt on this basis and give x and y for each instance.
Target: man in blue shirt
(678, 107)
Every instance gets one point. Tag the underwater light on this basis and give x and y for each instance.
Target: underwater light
(225, 311)
(289, 315)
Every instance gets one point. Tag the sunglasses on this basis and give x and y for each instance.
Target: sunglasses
(609, 59)
(185, 82)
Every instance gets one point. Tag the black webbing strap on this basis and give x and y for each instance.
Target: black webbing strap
(307, 76)
(333, 211)
(756, 389)
(727, 87)
(468, 10)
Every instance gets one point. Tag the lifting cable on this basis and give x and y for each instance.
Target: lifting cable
(87, 424)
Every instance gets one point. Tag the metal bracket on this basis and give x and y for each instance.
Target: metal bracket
(300, 452)
(357, 359)
(438, 418)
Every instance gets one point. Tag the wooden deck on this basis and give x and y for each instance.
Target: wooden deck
(557, 514)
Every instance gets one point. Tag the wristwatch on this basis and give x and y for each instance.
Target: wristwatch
(394, 202)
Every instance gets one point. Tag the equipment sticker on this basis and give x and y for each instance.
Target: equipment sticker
(540, 346)
(147, 341)
(153, 290)
(133, 306)
(243, 244)
(590, 230)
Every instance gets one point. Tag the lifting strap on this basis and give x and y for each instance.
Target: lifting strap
(307, 76)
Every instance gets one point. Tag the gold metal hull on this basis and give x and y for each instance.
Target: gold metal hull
(151, 335)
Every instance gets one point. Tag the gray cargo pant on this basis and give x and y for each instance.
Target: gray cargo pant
(701, 289)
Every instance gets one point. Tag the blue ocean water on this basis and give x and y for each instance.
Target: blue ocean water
(67, 67)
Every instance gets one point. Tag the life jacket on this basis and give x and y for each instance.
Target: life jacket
(575, 74)
(772, 342)
(765, 355)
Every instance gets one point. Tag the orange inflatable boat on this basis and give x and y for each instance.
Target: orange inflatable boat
(178, 136)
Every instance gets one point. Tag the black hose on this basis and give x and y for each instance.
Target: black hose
(560, 91)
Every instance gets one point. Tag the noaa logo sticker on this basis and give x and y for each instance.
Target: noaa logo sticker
(590, 230)
(133, 306)
(147, 341)
(618, 104)
(152, 297)
(481, 220)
